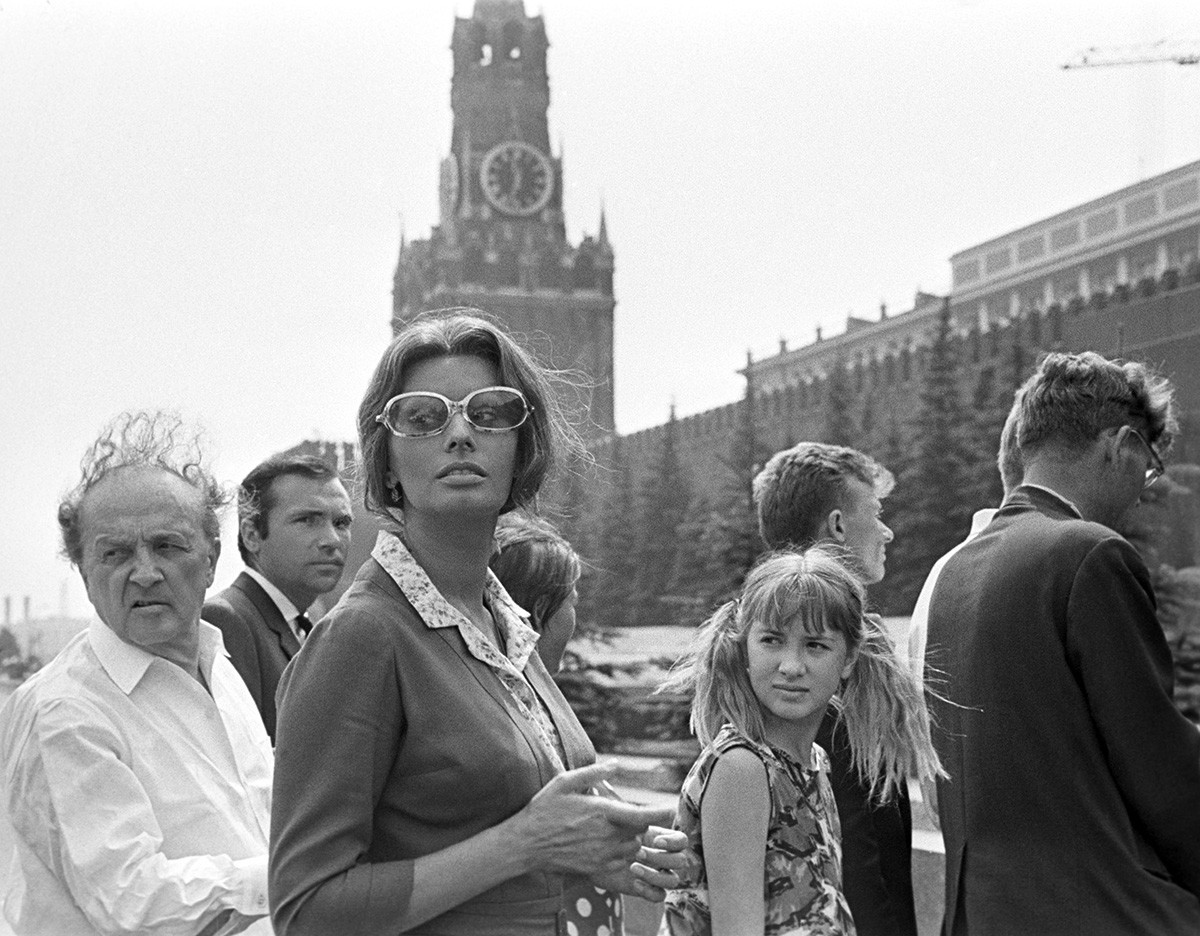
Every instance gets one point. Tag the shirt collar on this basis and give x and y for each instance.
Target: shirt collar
(285, 606)
(126, 663)
(1058, 497)
(981, 519)
(513, 620)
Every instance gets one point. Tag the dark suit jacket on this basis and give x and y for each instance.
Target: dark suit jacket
(876, 844)
(1073, 805)
(258, 639)
(395, 742)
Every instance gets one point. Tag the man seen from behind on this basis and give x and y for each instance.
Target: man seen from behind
(1073, 803)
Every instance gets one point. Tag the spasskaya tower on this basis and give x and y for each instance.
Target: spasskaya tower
(501, 242)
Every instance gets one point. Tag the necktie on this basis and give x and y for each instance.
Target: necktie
(303, 625)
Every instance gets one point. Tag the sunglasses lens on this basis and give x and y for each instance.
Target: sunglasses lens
(496, 409)
(417, 414)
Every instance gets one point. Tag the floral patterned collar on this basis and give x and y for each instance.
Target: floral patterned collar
(512, 620)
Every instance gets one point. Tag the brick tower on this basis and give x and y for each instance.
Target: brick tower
(501, 243)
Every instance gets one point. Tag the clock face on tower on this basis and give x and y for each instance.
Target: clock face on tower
(516, 178)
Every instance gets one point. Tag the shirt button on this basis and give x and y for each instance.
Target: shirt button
(262, 901)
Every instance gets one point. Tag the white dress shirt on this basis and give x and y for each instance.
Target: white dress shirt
(140, 802)
(918, 627)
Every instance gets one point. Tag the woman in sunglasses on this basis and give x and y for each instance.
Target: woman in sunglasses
(430, 778)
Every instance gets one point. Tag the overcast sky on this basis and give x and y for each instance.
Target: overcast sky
(200, 202)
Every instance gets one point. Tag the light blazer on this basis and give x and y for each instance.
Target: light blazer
(1073, 805)
(258, 640)
(395, 742)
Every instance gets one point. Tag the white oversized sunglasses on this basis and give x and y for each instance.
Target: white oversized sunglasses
(424, 413)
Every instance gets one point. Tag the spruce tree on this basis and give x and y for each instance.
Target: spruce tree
(840, 427)
(938, 483)
(662, 508)
(992, 399)
(606, 592)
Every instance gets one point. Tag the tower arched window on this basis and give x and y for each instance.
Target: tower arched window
(585, 271)
(508, 269)
(473, 271)
(511, 45)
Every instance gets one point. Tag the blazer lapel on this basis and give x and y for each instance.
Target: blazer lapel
(270, 614)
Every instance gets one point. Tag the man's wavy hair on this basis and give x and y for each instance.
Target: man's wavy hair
(799, 486)
(1072, 398)
(142, 439)
(543, 441)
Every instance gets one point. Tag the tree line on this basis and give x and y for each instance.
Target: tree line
(662, 549)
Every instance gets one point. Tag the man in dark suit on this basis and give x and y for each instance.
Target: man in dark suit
(294, 520)
(816, 493)
(1073, 804)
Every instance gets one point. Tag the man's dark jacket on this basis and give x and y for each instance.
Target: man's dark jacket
(876, 844)
(259, 640)
(1073, 804)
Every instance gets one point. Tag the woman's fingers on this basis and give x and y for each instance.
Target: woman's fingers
(634, 817)
(581, 779)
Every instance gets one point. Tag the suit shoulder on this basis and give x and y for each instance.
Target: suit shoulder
(1071, 535)
(225, 609)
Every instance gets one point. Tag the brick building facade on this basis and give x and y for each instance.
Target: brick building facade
(1119, 275)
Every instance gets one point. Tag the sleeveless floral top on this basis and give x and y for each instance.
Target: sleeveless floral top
(802, 886)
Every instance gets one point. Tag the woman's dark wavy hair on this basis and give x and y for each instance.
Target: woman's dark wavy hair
(156, 439)
(544, 440)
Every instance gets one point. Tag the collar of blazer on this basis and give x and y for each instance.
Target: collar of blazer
(269, 612)
(1042, 499)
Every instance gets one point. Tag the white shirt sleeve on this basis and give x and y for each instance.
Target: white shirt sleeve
(102, 836)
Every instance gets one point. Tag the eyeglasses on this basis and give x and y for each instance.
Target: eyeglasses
(424, 413)
(1156, 469)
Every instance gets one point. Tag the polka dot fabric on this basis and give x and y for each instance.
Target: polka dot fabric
(591, 911)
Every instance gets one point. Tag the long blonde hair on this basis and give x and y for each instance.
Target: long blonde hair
(880, 702)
